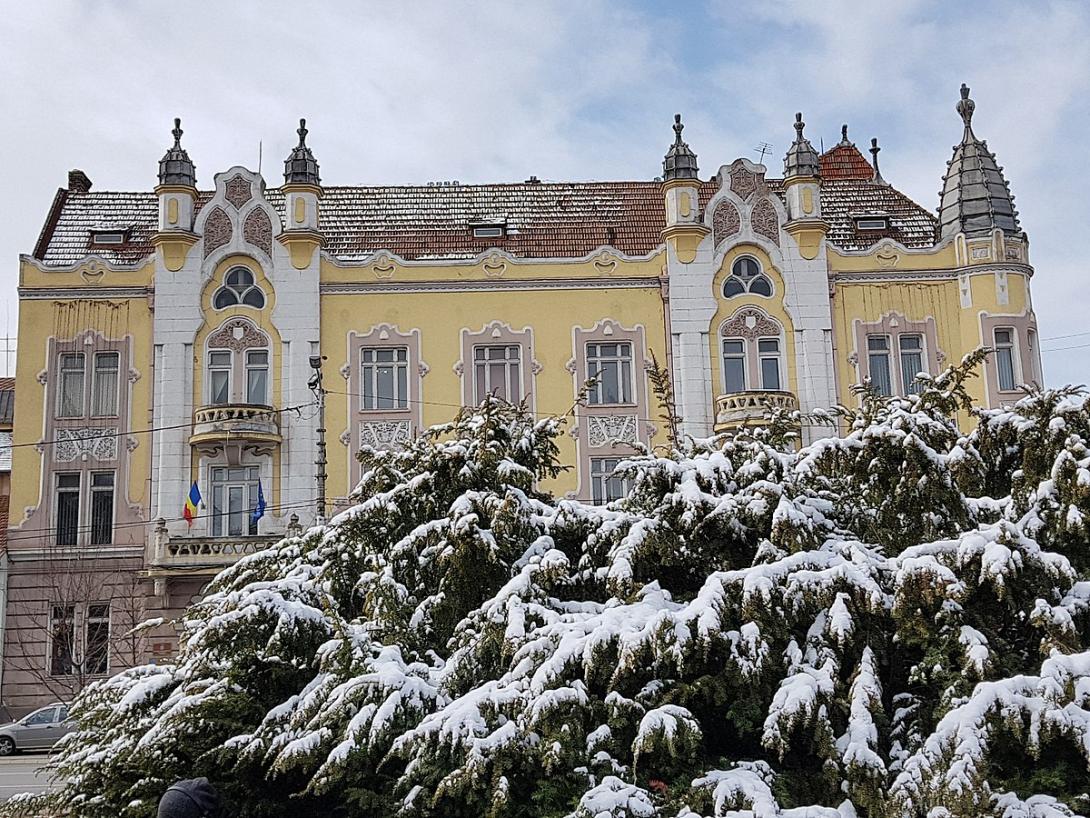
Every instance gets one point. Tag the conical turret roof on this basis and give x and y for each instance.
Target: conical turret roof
(301, 168)
(680, 161)
(975, 197)
(801, 159)
(176, 168)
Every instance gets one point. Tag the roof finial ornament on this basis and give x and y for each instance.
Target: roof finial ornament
(965, 107)
(877, 179)
(844, 135)
(302, 131)
(176, 168)
(799, 125)
(801, 159)
(177, 132)
(680, 161)
(301, 168)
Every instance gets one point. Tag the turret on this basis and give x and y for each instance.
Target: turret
(975, 198)
(802, 189)
(177, 192)
(681, 189)
(302, 190)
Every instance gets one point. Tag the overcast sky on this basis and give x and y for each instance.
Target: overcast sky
(497, 91)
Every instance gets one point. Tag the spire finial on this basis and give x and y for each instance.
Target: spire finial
(177, 132)
(678, 128)
(302, 131)
(799, 124)
(874, 154)
(844, 135)
(965, 107)
(680, 161)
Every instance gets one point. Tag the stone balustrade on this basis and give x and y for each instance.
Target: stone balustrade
(750, 408)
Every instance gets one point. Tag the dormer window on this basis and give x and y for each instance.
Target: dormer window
(108, 238)
(871, 223)
(488, 230)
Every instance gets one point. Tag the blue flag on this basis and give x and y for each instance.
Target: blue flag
(259, 511)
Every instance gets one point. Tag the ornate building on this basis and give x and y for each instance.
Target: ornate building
(166, 337)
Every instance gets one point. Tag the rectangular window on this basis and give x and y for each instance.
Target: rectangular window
(911, 350)
(234, 498)
(491, 231)
(878, 363)
(384, 378)
(257, 376)
(768, 349)
(104, 389)
(62, 638)
(67, 502)
(610, 365)
(497, 370)
(605, 485)
(70, 388)
(97, 638)
(734, 365)
(102, 507)
(107, 237)
(219, 377)
(1004, 359)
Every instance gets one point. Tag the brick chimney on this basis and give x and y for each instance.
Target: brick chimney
(78, 181)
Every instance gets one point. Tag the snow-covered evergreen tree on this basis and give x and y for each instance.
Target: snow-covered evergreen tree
(890, 623)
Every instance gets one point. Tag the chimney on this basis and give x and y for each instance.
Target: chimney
(78, 182)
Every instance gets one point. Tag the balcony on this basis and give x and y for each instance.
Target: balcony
(751, 408)
(251, 426)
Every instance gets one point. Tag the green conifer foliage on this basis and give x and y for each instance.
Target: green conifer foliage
(891, 623)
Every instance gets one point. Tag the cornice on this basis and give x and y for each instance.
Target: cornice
(491, 285)
(49, 293)
(943, 274)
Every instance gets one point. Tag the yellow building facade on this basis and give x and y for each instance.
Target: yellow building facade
(167, 337)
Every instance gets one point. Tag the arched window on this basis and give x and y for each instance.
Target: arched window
(746, 277)
(752, 349)
(239, 288)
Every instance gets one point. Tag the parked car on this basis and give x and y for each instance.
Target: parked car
(39, 730)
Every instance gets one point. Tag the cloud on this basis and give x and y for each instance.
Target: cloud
(497, 91)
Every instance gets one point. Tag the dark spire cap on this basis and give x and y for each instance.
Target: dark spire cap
(680, 161)
(301, 168)
(176, 168)
(874, 149)
(975, 197)
(844, 136)
(801, 159)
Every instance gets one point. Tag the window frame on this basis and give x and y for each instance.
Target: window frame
(97, 373)
(908, 385)
(1011, 349)
(601, 479)
(69, 621)
(777, 356)
(742, 356)
(748, 281)
(510, 378)
(249, 368)
(239, 292)
(625, 368)
(402, 385)
(90, 619)
(62, 381)
(94, 491)
(58, 492)
(887, 355)
(220, 368)
(219, 524)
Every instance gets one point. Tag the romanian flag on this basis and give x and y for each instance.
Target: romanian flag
(191, 503)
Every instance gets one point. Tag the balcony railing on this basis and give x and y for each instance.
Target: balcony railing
(739, 409)
(252, 425)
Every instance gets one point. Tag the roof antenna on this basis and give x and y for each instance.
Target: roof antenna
(259, 157)
(762, 149)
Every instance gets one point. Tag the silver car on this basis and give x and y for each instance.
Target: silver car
(39, 730)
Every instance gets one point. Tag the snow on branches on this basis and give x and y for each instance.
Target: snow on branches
(894, 623)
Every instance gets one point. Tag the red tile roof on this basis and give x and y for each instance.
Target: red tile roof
(845, 162)
(553, 220)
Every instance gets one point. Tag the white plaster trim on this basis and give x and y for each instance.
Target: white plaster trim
(485, 255)
(107, 292)
(488, 285)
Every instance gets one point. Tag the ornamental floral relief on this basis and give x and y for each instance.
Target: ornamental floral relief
(385, 434)
(604, 429)
(750, 323)
(725, 221)
(257, 230)
(765, 221)
(217, 230)
(238, 190)
(743, 182)
(237, 334)
(81, 444)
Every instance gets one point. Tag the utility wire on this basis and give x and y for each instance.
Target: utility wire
(148, 430)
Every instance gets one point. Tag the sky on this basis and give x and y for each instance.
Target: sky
(499, 91)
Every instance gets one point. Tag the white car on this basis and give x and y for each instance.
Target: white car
(39, 730)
